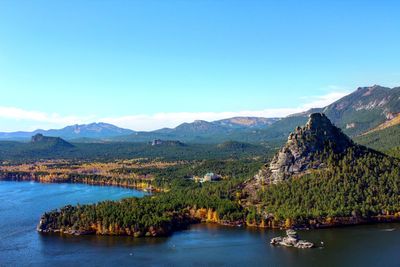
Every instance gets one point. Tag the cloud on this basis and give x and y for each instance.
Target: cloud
(147, 122)
(18, 114)
(323, 100)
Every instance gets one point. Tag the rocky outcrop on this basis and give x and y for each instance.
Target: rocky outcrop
(305, 149)
(159, 142)
(291, 240)
(39, 140)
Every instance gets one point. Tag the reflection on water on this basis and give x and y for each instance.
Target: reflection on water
(21, 205)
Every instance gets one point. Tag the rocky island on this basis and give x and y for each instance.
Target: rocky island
(291, 240)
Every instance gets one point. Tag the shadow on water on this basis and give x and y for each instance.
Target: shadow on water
(97, 240)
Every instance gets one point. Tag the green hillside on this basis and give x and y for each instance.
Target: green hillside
(381, 140)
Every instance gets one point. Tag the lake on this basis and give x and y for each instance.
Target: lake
(22, 203)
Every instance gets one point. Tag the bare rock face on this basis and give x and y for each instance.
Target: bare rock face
(305, 149)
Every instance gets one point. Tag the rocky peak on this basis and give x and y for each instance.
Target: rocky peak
(37, 138)
(304, 149)
(49, 141)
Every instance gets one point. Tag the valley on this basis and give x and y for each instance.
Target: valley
(320, 178)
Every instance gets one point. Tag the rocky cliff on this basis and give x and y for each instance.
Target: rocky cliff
(305, 149)
(41, 141)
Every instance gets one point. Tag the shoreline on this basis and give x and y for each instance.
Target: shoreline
(70, 232)
(38, 179)
(190, 218)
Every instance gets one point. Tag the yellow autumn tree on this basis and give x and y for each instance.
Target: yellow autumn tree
(288, 223)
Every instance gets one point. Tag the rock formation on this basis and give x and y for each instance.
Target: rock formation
(39, 140)
(305, 149)
(291, 240)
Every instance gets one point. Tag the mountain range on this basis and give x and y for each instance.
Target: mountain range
(357, 113)
(96, 132)
(363, 109)
(77, 131)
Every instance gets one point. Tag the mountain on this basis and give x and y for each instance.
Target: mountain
(199, 127)
(220, 126)
(246, 122)
(384, 137)
(40, 147)
(92, 130)
(304, 150)
(237, 128)
(320, 178)
(363, 109)
(356, 113)
(39, 141)
(393, 121)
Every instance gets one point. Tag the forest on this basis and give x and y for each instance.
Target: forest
(155, 215)
(145, 174)
(17, 152)
(351, 186)
(383, 140)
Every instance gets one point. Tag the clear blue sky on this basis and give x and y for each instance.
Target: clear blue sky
(109, 59)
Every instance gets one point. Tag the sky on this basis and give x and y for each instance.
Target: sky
(149, 64)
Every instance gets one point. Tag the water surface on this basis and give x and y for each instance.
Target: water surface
(22, 203)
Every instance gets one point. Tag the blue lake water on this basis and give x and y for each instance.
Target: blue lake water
(22, 203)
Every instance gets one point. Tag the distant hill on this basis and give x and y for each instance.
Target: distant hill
(395, 120)
(356, 113)
(199, 127)
(40, 147)
(235, 145)
(246, 122)
(363, 109)
(78, 131)
(383, 139)
(39, 141)
(219, 126)
(238, 128)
